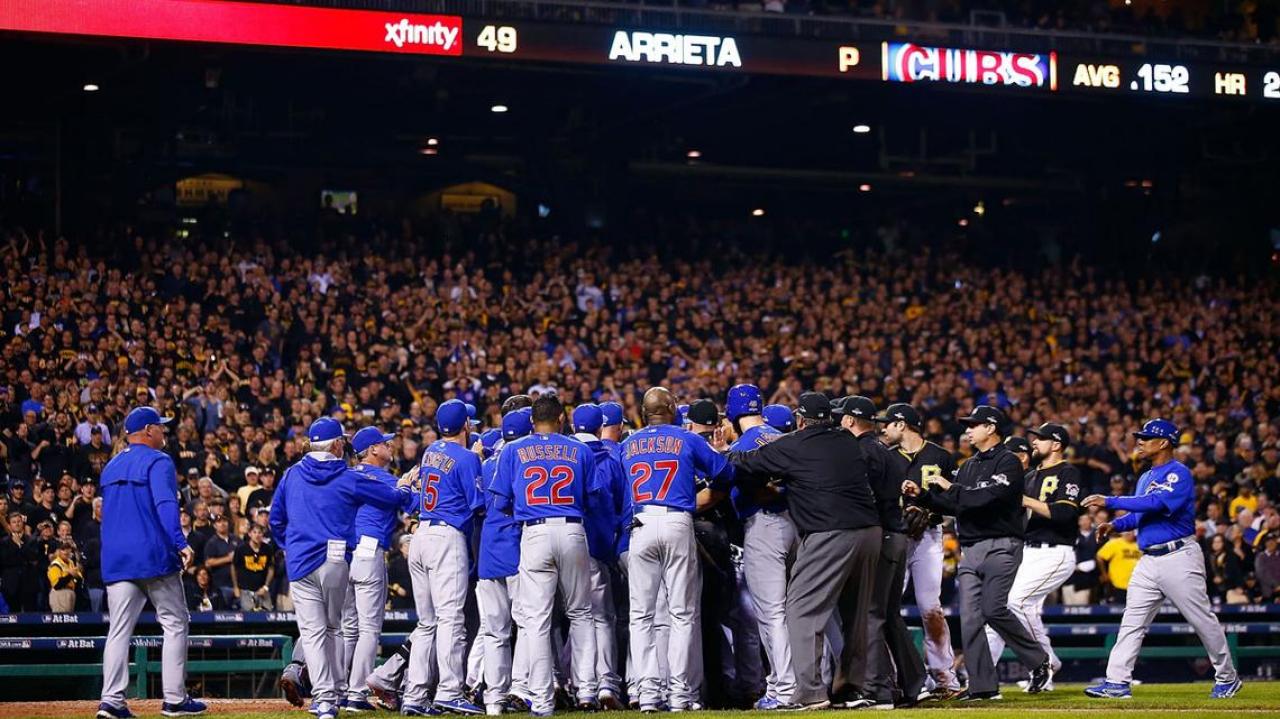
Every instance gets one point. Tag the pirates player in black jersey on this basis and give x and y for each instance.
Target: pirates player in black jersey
(1048, 558)
(925, 461)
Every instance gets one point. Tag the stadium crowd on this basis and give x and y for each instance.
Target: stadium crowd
(248, 342)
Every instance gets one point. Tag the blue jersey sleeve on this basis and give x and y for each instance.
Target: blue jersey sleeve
(470, 476)
(164, 496)
(1165, 495)
(278, 519)
(712, 464)
(378, 494)
(1127, 523)
(500, 485)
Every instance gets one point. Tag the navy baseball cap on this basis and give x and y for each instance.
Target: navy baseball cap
(587, 418)
(814, 405)
(1017, 444)
(613, 414)
(1050, 430)
(471, 415)
(900, 412)
(367, 437)
(1159, 429)
(452, 416)
(779, 417)
(325, 429)
(143, 417)
(743, 400)
(517, 424)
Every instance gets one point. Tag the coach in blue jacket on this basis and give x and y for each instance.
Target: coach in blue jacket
(313, 517)
(143, 553)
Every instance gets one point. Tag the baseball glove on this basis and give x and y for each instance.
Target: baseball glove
(917, 520)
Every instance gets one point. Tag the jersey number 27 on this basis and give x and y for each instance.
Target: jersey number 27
(642, 471)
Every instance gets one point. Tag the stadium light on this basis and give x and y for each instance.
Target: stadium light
(498, 108)
(963, 222)
(980, 209)
(429, 151)
(862, 129)
(90, 87)
(432, 141)
(693, 154)
(864, 187)
(758, 212)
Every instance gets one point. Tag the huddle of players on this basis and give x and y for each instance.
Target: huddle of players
(558, 512)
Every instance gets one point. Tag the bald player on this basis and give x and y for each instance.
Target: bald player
(662, 462)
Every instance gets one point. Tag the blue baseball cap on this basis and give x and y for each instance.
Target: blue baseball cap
(587, 418)
(367, 437)
(743, 400)
(471, 415)
(143, 417)
(452, 416)
(325, 429)
(489, 438)
(517, 424)
(613, 414)
(681, 411)
(1159, 429)
(779, 417)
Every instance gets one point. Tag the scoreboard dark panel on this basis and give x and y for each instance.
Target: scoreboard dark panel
(452, 36)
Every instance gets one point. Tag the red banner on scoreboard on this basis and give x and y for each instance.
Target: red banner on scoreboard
(239, 23)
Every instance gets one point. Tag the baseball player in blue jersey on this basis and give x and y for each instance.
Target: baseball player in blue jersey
(1172, 565)
(767, 547)
(374, 527)
(544, 479)
(661, 462)
(506, 672)
(313, 519)
(143, 554)
(780, 417)
(602, 536)
(439, 564)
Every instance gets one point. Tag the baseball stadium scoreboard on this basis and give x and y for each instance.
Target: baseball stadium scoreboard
(451, 36)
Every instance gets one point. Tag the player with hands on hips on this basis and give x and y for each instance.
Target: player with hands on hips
(544, 479)
(1172, 564)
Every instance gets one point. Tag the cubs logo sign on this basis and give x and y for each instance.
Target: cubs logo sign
(908, 62)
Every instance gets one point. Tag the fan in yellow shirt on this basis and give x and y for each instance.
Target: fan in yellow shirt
(1118, 557)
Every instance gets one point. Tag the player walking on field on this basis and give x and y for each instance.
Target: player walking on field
(1172, 565)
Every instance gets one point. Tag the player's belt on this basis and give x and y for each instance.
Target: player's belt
(660, 509)
(1159, 550)
(1046, 545)
(553, 520)
(436, 523)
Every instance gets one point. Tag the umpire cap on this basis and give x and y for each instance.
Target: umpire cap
(855, 406)
(814, 405)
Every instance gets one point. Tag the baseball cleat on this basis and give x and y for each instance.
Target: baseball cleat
(416, 710)
(188, 707)
(610, 701)
(356, 706)
(1109, 690)
(291, 684)
(517, 704)
(106, 711)
(386, 696)
(459, 706)
(1225, 691)
(1040, 678)
(766, 703)
(968, 696)
(326, 710)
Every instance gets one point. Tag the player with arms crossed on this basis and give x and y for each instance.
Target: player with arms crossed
(543, 479)
(662, 462)
(1172, 565)
(1052, 493)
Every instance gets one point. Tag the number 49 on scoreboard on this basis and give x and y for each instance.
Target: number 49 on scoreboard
(497, 38)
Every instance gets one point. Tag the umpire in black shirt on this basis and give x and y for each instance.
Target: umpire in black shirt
(895, 671)
(986, 500)
(823, 469)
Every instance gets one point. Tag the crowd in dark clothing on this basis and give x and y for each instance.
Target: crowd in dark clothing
(247, 342)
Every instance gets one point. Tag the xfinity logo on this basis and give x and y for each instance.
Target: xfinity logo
(405, 32)
(661, 47)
